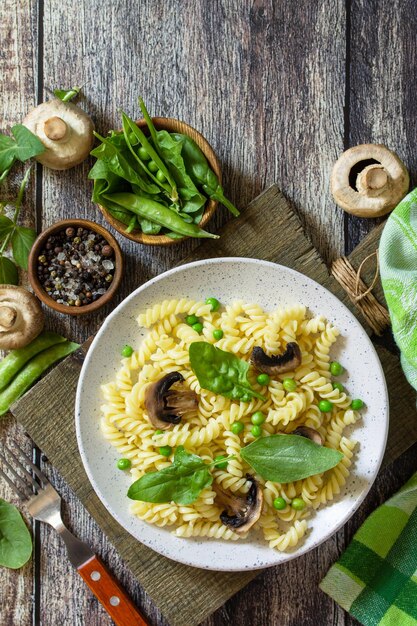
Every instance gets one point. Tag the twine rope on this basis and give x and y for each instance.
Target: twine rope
(359, 293)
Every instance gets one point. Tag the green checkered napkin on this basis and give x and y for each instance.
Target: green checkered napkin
(398, 265)
(376, 577)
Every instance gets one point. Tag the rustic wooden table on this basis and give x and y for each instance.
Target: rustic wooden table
(280, 89)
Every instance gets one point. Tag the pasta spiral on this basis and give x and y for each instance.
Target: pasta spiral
(220, 426)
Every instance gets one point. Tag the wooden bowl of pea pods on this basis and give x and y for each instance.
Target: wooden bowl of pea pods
(172, 126)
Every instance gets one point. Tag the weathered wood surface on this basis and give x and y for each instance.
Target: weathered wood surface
(266, 83)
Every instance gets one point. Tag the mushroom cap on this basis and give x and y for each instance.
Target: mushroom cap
(65, 130)
(242, 512)
(165, 406)
(21, 317)
(309, 433)
(380, 186)
(277, 363)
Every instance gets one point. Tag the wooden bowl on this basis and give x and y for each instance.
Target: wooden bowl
(172, 126)
(33, 264)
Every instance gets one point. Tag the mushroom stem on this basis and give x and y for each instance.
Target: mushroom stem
(372, 180)
(8, 317)
(55, 128)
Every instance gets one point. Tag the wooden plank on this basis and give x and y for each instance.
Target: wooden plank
(18, 31)
(234, 71)
(382, 94)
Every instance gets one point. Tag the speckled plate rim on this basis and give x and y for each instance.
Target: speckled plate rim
(210, 553)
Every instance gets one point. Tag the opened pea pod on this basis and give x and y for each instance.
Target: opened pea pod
(155, 181)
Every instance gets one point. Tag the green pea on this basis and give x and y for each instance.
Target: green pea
(246, 397)
(152, 166)
(159, 432)
(325, 406)
(198, 327)
(298, 504)
(279, 504)
(336, 369)
(215, 304)
(357, 404)
(160, 176)
(257, 418)
(191, 319)
(338, 386)
(289, 384)
(124, 464)
(263, 379)
(222, 465)
(127, 351)
(143, 154)
(237, 428)
(256, 430)
(165, 450)
(218, 334)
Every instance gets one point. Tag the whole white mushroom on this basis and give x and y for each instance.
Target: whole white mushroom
(65, 130)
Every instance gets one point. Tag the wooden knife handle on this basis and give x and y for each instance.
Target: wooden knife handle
(111, 595)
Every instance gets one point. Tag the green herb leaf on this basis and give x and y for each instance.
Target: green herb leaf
(6, 226)
(23, 146)
(15, 539)
(8, 272)
(285, 458)
(181, 482)
(22, 242)
(220, 371)
(67, 94)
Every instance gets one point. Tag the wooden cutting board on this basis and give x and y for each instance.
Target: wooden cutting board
(269, 230)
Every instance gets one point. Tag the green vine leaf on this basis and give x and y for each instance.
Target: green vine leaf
(8, 272)
(6, 226)
(22, 242)
(22, 146)
(67, 94)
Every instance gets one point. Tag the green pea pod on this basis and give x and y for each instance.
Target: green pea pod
(32, 371)
(200, 172)
(192, 199)
(133, 222)
(120, 165)
(155, 212)
(129, 124)
(16, 359)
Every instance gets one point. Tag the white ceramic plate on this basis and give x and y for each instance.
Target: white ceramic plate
(269, 285)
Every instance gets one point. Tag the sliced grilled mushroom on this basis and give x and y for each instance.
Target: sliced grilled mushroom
(278, 363)
(241, 512)
(309, 433)
(166, 406)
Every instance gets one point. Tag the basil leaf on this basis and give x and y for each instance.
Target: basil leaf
(22, 242)
(285, 458)
(15, 539)
(6, 226)
(181, 482)
(220, 371)
(67, 94)
(22, 146)
(8, 272)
